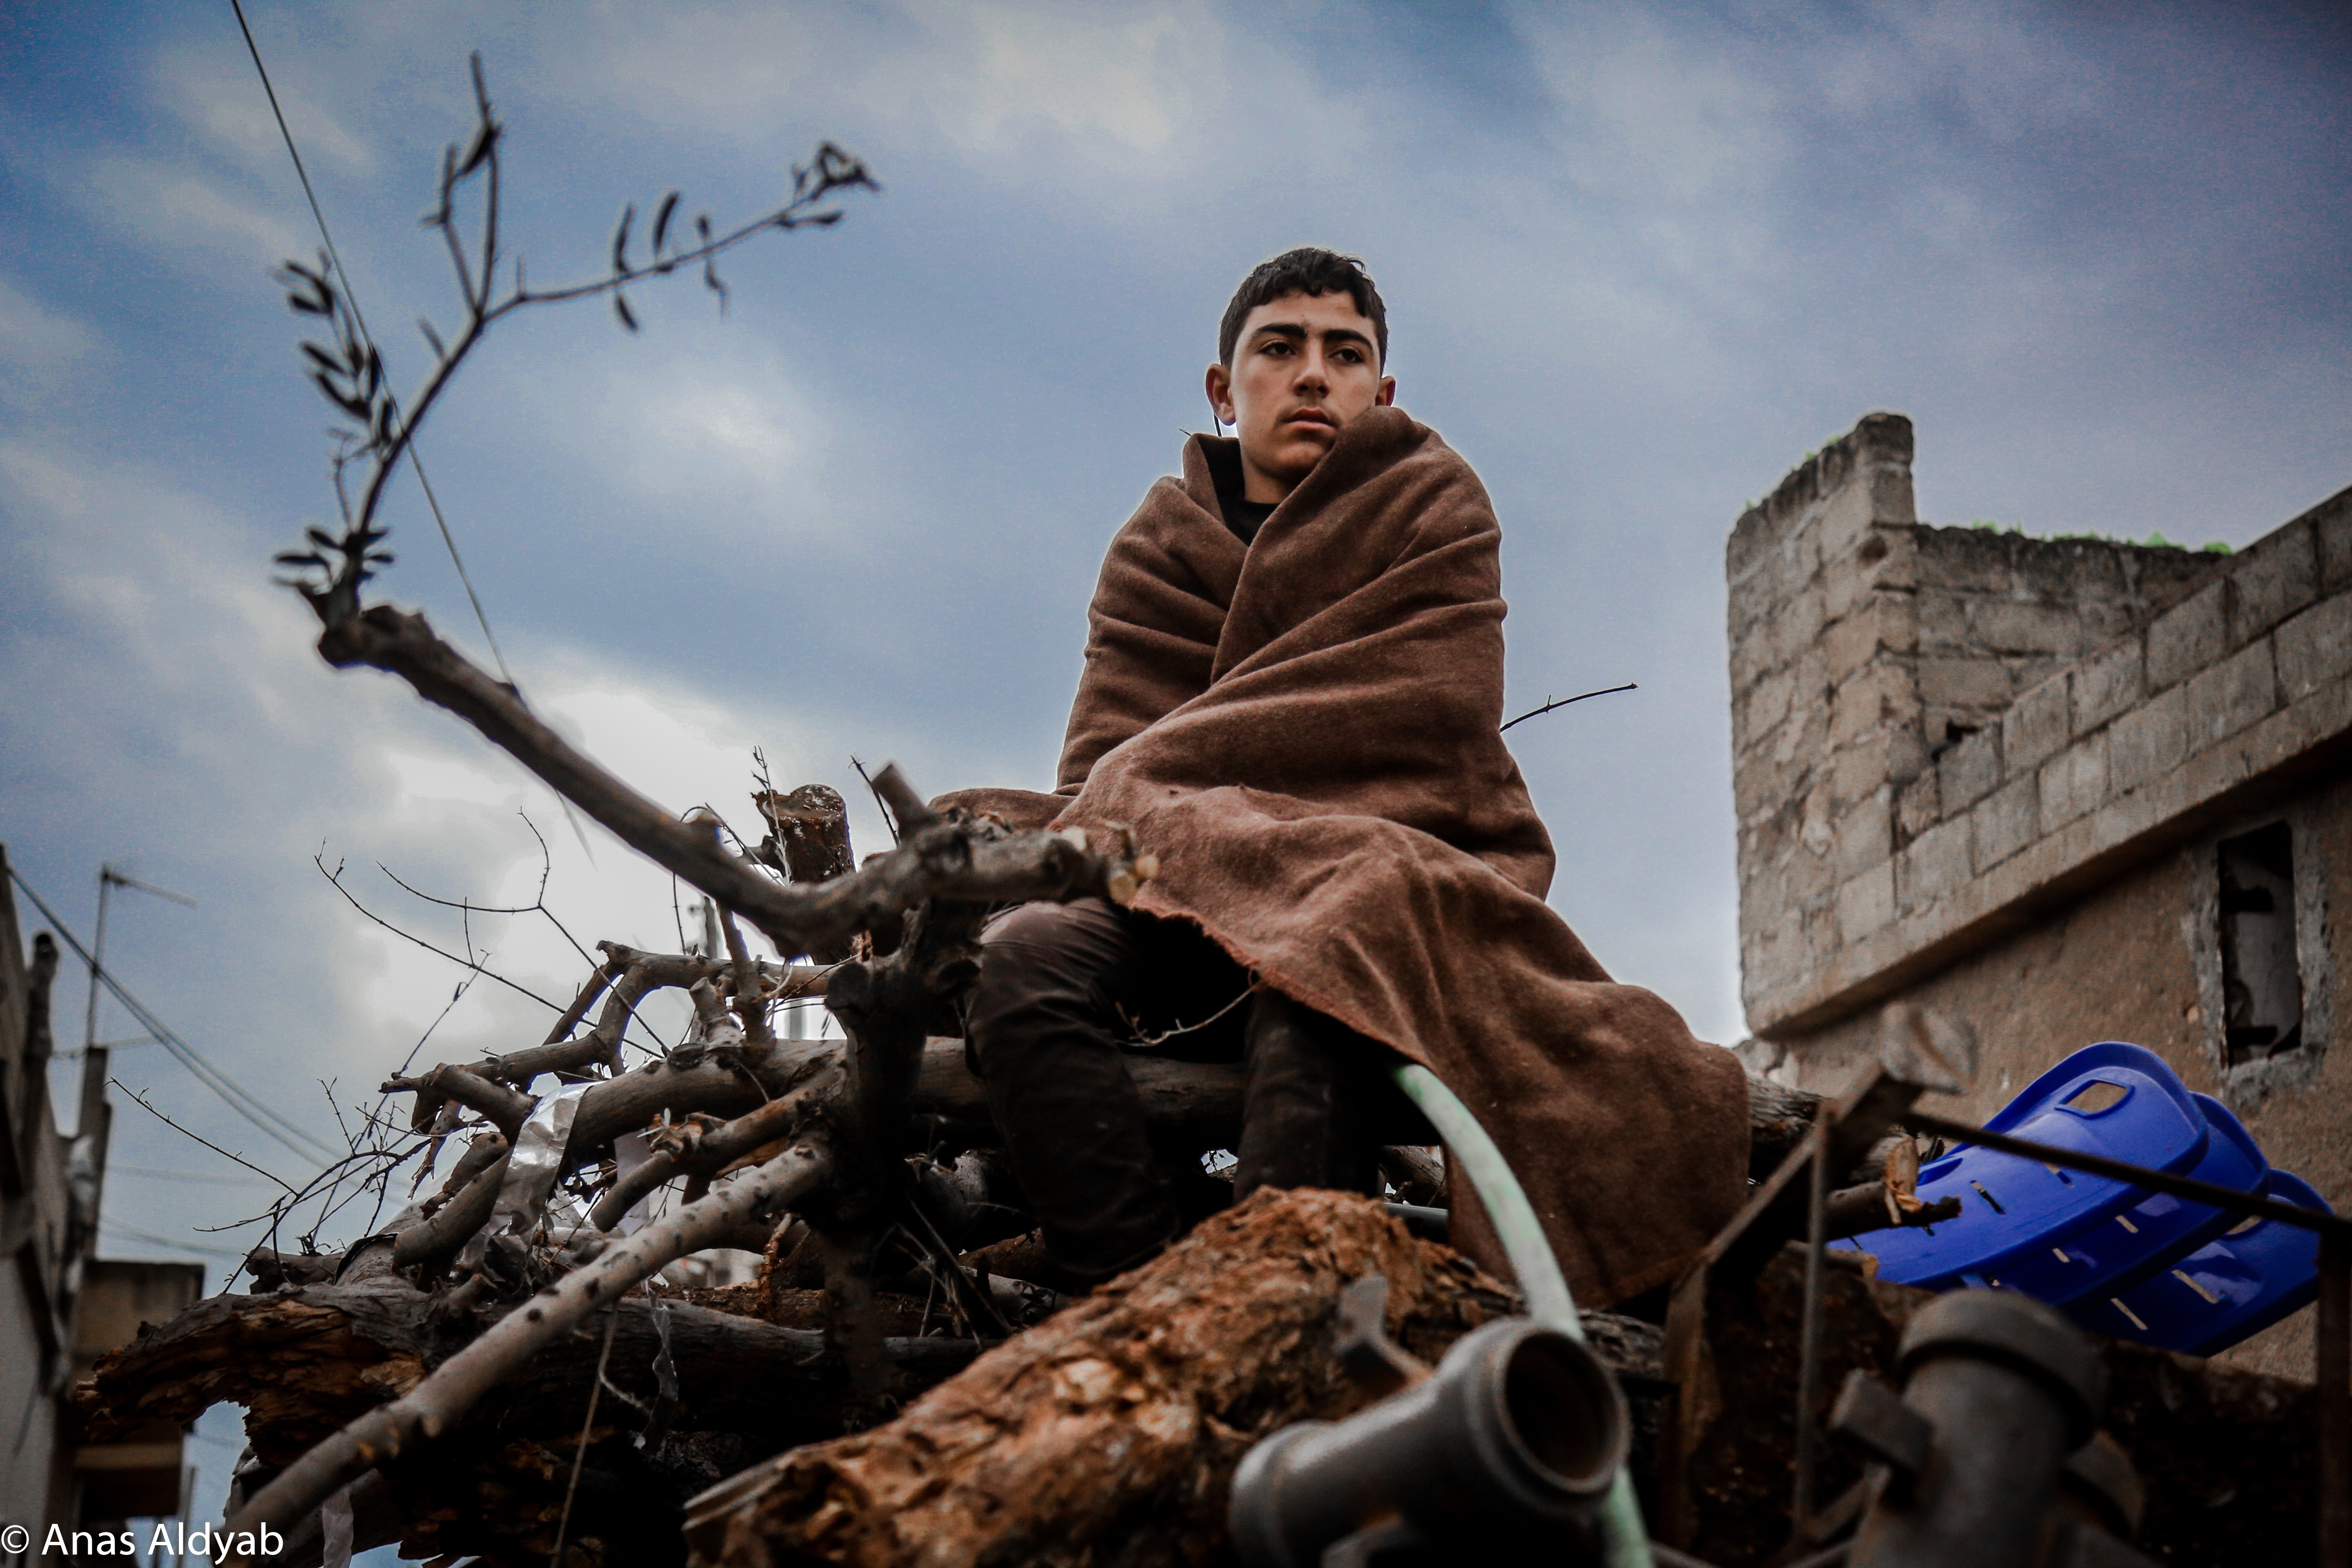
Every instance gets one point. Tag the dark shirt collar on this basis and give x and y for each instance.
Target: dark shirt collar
(1244, 518)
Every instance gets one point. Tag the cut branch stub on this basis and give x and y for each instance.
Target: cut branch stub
(691, 1149)
(504, 1108)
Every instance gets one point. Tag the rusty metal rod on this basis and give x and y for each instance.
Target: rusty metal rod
(2333, 1394)
(1809, 1344)
(2219, 1197)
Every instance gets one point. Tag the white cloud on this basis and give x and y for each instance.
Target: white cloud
(38, 346)
(1648, 111)
(1132, 77)
(1117, 85)
(183, 213)
(694, 437)
(698, 429)
(216, 94)
(729, 68)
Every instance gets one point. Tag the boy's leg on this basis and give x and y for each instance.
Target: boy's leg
(1044, 1032)
(1304, 1122)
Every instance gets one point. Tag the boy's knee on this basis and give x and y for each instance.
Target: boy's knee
(1077, 941)
(1043, 956)
(1044, 926)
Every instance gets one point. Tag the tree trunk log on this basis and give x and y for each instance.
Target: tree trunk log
(1110, 1432)
(305, 1362)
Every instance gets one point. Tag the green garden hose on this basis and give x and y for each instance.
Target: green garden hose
(1627, 1538)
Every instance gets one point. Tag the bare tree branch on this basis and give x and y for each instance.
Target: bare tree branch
(695, 1148)
(967, 862)
(469, 962)
(348, 371)
(141, 1101)
(442, 1400)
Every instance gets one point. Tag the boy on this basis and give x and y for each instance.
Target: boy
(1293, 695)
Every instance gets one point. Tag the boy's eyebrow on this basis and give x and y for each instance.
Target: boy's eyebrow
(1298, 330)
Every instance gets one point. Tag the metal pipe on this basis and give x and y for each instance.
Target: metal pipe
(2004, 1388)
(1626, 1539)
(1519, 1424)
(97, 962)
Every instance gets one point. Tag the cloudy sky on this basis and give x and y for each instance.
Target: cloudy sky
(1638, 259)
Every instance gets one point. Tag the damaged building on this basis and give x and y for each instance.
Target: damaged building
(2066, 790)
(61, 1306)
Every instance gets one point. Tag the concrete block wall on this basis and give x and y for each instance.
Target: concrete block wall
(1937, 731)
(1825, 711)
(1999, 614)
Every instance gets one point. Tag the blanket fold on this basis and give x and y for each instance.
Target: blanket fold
(1383, 863)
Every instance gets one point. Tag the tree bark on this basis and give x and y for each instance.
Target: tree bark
(1110, 1432)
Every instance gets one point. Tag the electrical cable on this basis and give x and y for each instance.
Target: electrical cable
(242, 1101)
(335, 258)
(210, 1178)
(416, 462)
(133, 1233)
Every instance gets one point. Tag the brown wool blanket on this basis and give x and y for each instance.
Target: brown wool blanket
(1307, 731)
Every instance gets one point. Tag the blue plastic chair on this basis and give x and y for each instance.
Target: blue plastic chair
(2147, 1237)
(2067, 1236)
(2258, 1272)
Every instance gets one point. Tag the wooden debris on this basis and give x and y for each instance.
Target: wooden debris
(1110, 1432)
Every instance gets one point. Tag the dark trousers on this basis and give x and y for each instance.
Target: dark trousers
(1063, 988)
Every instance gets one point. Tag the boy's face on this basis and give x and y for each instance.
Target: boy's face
(1304, 366)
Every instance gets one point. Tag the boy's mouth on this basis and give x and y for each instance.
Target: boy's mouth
(1313, 417)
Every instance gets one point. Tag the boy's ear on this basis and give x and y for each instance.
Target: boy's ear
(1387, 399)
(1219, 384)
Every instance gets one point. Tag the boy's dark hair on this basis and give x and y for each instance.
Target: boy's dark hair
(1306, 270)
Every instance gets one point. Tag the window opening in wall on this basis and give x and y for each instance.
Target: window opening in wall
(1953, 733)
(2262, 985)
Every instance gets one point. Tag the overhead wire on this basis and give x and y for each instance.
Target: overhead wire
(133, 1233)
(335, 259)
(241, 1099)
(210, 1178)
(416, 462)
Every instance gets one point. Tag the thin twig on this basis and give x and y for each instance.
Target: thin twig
(580, 1455)
(415, 460)
(455, 997)
(1549, 705)
(141, 1101)
(880, 805)
(336, 876)
(351, 376)
(537, 906)
(1140, 1039)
